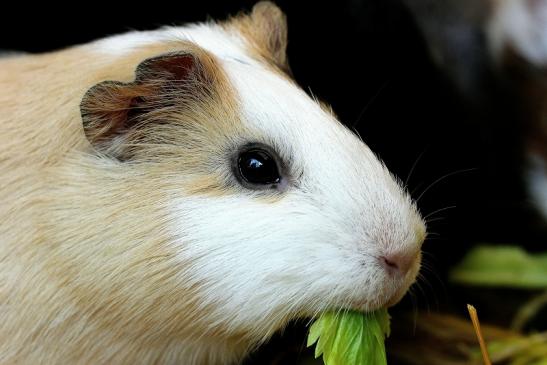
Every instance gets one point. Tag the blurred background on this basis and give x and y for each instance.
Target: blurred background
(452, 95)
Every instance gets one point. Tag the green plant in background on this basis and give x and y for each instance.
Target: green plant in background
(502, 266)
(351, 338)
(506, 266)
(510, 267)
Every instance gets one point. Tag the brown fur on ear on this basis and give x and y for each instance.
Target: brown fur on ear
(265, 29)
(110, 110)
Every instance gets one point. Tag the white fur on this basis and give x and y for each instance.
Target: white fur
(522, 25)
(124, 43)
(319, 246)
(261, 262)
(344, 190)
(209, 36)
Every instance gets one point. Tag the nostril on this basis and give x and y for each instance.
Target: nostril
(400, 262)
(390, 263)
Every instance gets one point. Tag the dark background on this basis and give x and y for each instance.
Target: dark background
(368, 59)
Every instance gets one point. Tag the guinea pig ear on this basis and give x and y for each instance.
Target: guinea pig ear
(110, 110)
(265, 28)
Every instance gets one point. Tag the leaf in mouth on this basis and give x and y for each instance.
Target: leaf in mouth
(351, 338)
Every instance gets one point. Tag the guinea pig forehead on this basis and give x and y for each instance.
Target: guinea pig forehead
(271, 103)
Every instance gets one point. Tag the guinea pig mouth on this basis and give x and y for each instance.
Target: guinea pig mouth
(390, 293)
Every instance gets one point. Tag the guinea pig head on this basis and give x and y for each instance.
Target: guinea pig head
(274, 209)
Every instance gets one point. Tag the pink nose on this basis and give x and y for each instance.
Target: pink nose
(399, 262)
(390, 263)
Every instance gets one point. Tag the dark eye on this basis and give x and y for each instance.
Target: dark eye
(258, 167)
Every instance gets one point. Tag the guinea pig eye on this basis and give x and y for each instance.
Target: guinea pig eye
(258, 167)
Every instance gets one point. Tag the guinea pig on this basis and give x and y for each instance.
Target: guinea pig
(173, 197)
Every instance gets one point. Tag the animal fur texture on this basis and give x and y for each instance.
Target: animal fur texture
(126, 239)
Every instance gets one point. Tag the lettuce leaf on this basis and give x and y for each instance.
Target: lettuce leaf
(351, 338)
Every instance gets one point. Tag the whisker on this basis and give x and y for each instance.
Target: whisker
(416, 188)
(422, 292)
(414, 301)
(369, 103)
(435, 220)
(441, 179)
(435, 234)
(429, 269)
(357, 134)
(436, 302)
(438, 211)
(432, 233)
(413, 167)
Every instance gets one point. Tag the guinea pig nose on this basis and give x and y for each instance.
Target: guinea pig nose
(398, 262)
(390, 263)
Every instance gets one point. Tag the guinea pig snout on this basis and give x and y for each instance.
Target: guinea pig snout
(399, 262)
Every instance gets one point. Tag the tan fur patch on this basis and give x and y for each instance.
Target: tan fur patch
(265, 30)
(83, 277)
(165, 98)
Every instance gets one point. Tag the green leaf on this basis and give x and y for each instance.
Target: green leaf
(350, 338)
(502, 266)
